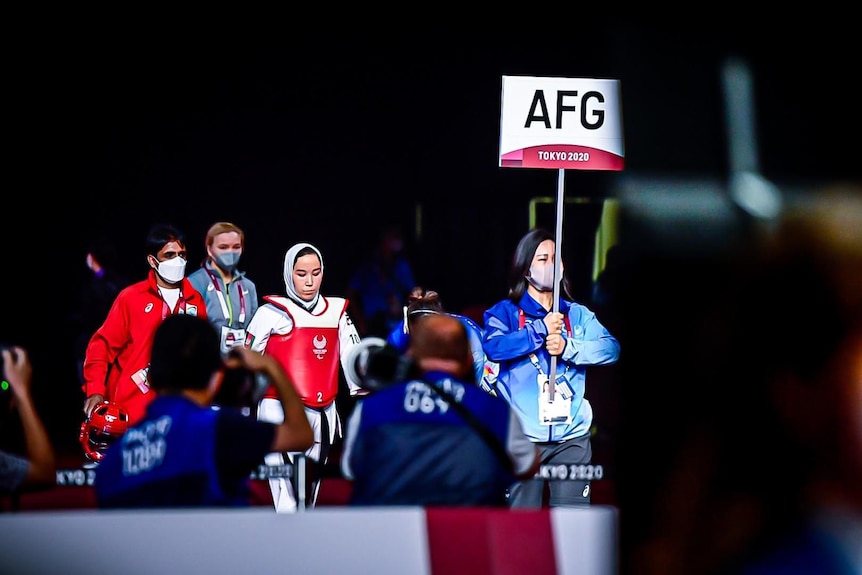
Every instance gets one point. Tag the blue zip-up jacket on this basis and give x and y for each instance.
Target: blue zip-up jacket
(588, 343)
(400, 339)
(405, 445)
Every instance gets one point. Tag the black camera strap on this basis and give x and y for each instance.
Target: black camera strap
(492, 440)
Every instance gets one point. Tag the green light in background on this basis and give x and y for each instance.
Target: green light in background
(4, 385)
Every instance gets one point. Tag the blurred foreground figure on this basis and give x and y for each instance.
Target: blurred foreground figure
(436, 439)
(184, 453)
(771, 482)
(36, 468)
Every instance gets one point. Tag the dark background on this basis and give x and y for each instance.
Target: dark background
(307, 134)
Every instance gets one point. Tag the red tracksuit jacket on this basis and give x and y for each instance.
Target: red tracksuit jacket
(120, 348)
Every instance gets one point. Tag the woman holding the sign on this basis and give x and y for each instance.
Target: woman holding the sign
(522, 334)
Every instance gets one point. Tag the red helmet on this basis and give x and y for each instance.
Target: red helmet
(107, 423)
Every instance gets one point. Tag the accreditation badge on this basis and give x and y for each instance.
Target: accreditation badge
(557, 411)
(231, 338)
(140, 379)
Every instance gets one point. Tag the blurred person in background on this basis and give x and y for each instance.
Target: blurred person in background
(37, 467)
(184, 453)
(422, 302)
(769, 479)
(522, 334)
(380, 285)
(103, 283)
(409, 444)
(231, 297)
(118, 354)
(311, 336)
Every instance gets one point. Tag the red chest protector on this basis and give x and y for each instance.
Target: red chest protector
(310, 352)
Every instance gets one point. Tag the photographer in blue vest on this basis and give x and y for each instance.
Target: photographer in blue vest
(436, 438)
(185, 453)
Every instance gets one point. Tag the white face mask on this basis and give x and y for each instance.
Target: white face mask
(172, 270)
(542, 277)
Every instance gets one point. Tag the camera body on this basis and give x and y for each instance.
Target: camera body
(376, 364)
(240, 388)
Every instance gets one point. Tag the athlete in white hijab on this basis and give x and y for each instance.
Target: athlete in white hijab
(311, 336)
(289, 262)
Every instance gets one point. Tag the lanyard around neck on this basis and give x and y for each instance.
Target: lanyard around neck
(166, 309)
(221, 298)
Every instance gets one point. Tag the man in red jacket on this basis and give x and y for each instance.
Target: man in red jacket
(118, 355)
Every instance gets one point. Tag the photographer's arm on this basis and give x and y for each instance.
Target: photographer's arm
(294, 433)
(40, 452)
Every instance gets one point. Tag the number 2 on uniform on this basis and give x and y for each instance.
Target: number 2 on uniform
(319, 396)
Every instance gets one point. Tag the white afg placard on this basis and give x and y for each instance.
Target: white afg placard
(572, 123)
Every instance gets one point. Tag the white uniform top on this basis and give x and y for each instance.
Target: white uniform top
(270, 320)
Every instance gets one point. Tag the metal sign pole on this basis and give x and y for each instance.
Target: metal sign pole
(584, 131)
(558, 258)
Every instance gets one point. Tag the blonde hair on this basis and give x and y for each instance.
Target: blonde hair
(223, 228)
